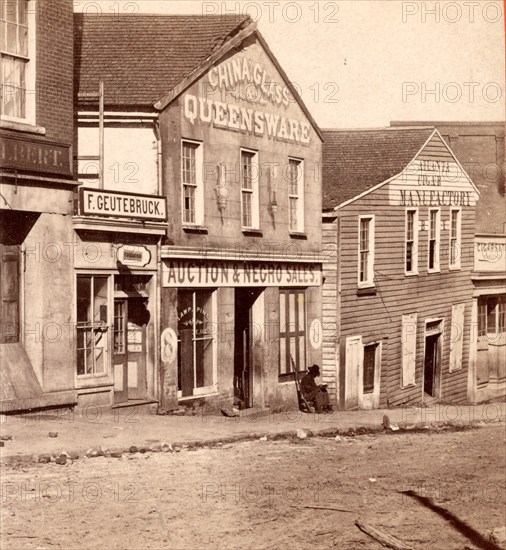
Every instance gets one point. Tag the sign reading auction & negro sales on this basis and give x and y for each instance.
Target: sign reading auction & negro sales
(188, 273)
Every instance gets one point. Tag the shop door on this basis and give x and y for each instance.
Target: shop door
(431, 365)
(243, 368)
(9, 293)
(129, 350)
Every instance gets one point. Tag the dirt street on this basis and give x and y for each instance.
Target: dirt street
(252, 495)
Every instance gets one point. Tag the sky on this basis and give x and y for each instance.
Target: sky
(364, 63)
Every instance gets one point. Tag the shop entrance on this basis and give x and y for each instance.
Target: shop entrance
(432, 365)
(130, 322)
(243, 340)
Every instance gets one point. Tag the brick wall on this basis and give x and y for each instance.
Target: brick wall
(54, 70)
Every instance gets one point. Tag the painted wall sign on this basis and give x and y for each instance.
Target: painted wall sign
(242, 119)
(187, 273)
(138, 256)
(94, 202)
(168, 345)
(34, 156)
(490, 254)
(432, 183)
(250, 81)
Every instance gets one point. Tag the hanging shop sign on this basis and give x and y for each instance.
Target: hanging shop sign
(94, 202)
(134, 256)
(187, 273)
(34, 156)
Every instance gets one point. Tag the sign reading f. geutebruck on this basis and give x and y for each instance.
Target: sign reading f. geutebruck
(95, 202)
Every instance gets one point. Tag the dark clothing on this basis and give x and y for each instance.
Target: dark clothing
(314, 393)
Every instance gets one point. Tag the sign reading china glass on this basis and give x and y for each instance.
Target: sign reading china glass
(188, 273)
(122, 205)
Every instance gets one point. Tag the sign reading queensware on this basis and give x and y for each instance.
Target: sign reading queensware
(188, 273)
(95, 202)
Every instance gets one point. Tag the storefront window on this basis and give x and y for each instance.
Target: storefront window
(491, 315)
(292, 331)
(195, 342)
(92, 327)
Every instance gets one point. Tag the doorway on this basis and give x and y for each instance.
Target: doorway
(432, 367)
(243, 344)
(131, 318)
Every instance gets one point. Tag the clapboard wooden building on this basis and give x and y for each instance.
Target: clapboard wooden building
(479, 146)
(400, 211)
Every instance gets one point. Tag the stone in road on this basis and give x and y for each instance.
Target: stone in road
(251, 495)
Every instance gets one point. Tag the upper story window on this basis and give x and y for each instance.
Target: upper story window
(455, 236)
(250, 214)
(366, 251)
(434, 239)
(17, 60)
(296, 195)
(192, 183)
(411, 262)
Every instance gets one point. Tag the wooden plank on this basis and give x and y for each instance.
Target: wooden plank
(383, 538)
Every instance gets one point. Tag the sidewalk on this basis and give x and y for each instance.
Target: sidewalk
(121, 429)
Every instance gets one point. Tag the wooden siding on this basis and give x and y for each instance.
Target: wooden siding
(431, 295)
(330, 302)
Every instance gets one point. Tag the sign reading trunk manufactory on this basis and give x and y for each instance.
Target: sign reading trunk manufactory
(188, 273)
(122, 205)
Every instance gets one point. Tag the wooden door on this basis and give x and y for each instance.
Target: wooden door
(354, 360)
(244, 299)
(430, 365)
(120, 361)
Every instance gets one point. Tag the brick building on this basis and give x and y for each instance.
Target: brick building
(36, 195)
(210, 121)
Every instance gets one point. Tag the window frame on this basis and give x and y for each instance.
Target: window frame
(414, 241)
(29, 62)
(286, 336)
(369, 281)
(298, 196)
(436, 268)
(252, 191)
(455, 265)
(197, 186)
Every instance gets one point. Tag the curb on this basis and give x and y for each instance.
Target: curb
(69, 456)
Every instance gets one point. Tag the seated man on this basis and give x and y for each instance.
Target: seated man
(314, 393)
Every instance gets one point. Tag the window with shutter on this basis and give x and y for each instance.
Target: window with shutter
(9, 290)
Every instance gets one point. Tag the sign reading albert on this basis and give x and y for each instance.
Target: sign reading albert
(95, 202)
(34, 156)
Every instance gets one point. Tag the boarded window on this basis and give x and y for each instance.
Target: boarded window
(9, 290)
(408, 343)
(456, 337)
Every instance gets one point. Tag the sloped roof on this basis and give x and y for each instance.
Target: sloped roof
(356, 160)
(142, 57)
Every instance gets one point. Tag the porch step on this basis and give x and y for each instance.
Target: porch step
(260, 411)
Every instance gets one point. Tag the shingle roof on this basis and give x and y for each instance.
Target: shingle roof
(356, 160)
(141, 58)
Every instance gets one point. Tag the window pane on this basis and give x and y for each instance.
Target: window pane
(83, 299)
(100, 295)
(282, 306)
